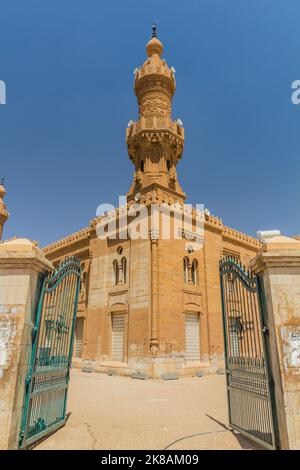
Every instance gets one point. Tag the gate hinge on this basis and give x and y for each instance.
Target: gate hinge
(21, 437)
(34, 332)
(27, 381)
(265, 330)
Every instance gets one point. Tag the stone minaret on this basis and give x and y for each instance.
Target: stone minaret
(3, 212)
(155, 142)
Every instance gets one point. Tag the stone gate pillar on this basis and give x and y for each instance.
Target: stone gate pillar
(278, 265)
(20, 264)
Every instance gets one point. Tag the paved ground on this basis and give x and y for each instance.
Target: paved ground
(108, 412)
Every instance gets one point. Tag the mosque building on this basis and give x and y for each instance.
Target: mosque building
(151, 306)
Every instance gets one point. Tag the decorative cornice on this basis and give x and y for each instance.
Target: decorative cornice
(69, 240)
(212, 221)
(241, 237)
(164, 131)
(191, 236)
(153, 78)
(156, 196)
(156, 193)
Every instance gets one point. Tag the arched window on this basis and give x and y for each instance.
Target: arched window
(186, 269)
(120, 271)
(124, 267)
(142, 166)
(195, 272)
(168, 165)
(116, 271)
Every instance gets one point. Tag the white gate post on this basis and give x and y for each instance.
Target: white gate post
(20, 264)
(278, 264)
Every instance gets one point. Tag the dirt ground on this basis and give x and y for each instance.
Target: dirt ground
(111, 412)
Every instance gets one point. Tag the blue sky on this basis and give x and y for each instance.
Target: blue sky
(68, 67)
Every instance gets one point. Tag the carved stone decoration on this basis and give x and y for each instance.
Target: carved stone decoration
(154, 346)
(137, 180)
(118, 301)
(193, 301)
(153, 104)
(154, 83)
(152, 153)
(117, 298)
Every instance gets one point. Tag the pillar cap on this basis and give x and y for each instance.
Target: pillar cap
(273, 240)
(21, 251)
(18, 244)
(277, 251)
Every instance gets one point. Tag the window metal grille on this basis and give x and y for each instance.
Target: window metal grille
(118, 337)
(192, 337)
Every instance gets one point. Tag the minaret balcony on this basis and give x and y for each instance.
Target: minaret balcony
(155, 124)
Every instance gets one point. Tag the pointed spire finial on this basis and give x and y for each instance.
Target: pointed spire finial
(154, 46)
(154, 29)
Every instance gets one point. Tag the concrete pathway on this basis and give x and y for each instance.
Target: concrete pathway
(110, 412)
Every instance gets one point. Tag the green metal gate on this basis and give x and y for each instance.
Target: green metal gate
(46, 384)
(250, 387)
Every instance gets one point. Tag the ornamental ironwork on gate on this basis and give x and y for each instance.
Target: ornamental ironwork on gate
(46, 384)
(250, 388)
